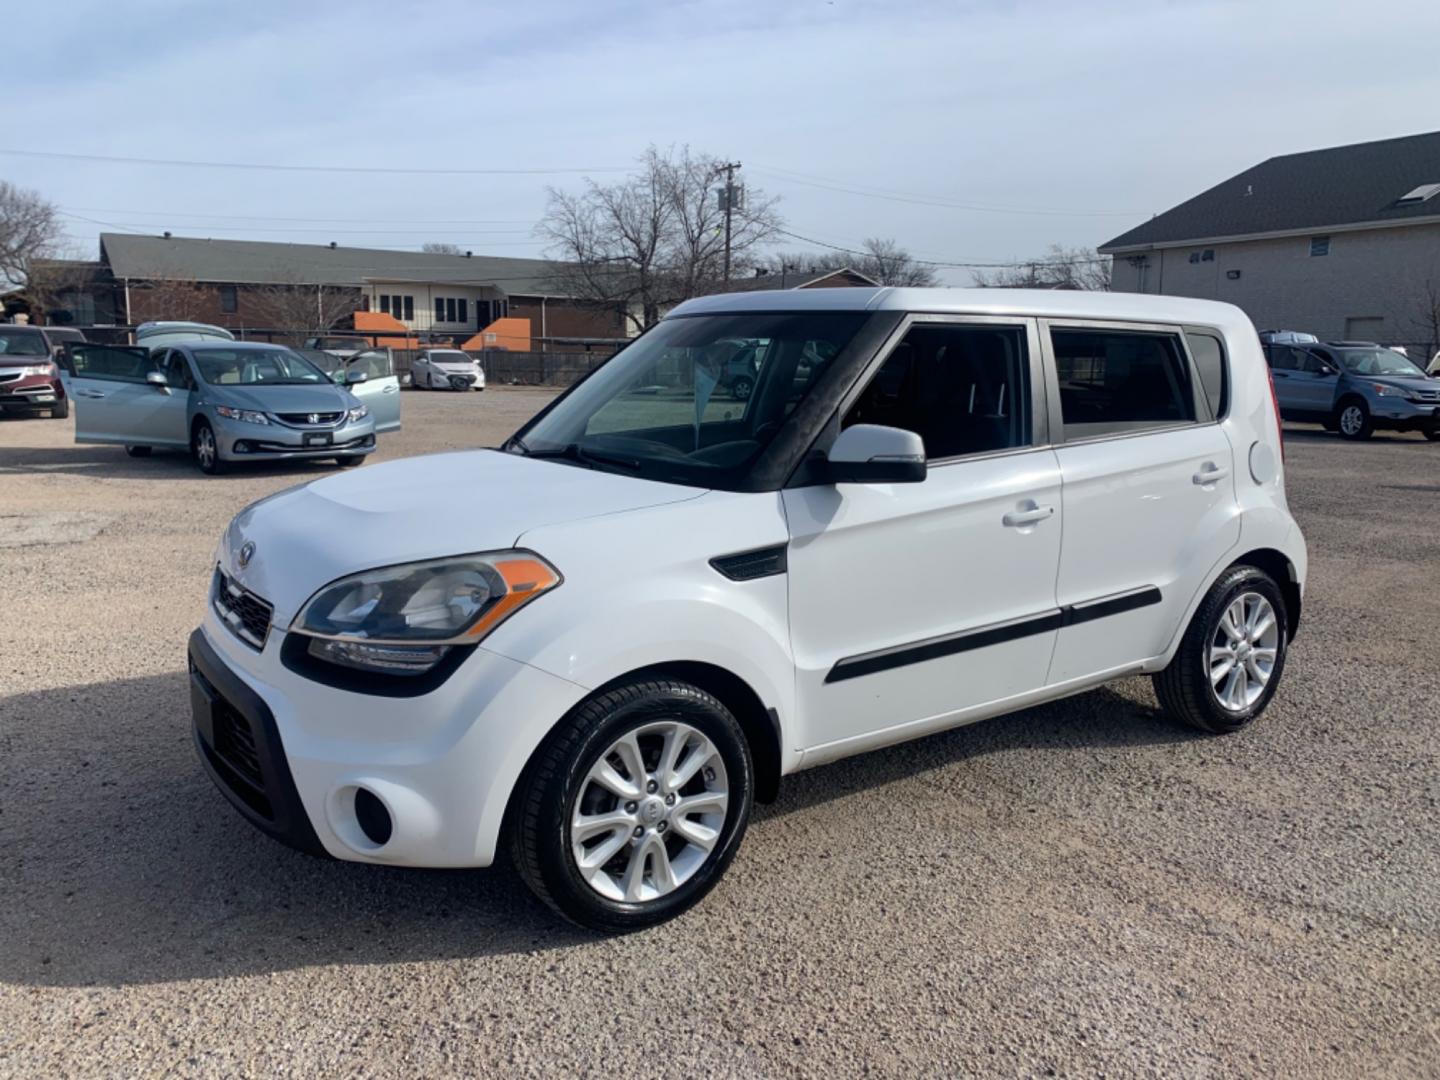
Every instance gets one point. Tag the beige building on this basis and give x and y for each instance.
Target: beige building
(1343, 243)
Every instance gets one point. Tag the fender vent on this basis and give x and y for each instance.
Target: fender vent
(749, 565)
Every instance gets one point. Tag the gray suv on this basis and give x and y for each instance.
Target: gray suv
(226, 401)
(1354, 387)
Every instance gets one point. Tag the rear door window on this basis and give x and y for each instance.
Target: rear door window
(1120, 381)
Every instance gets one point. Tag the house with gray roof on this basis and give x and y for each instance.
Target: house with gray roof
(1343, 243)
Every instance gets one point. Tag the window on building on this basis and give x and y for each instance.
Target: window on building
(463, 307)
(1319, 245)
(450, 309)
(1208, 255)
(229, 300)
(1209, 357)
(1114, 381)
(409, 308)
(439, 309)
(962, 389)
(385, 303)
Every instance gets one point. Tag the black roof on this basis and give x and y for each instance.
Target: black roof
(1342, 185)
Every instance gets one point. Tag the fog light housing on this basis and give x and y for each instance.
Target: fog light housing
(372, 817)
(241, 447)
(372, 656)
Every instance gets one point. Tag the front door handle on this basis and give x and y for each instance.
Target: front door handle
(391, 390)
(1278, 375)
(1209, 473)
(1031, 515)
(89, 393)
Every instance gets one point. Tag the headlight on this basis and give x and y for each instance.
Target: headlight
(242, 414)
(1383, 390)
(403, 619)
(37, 369)
(359, 414)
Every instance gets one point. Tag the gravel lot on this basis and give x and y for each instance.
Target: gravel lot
(1077, 890)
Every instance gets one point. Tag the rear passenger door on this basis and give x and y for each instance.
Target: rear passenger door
(910, 603)
(380, 392)
(1149, 497)
(1301, 388)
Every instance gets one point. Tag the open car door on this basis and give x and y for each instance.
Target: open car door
(114, 401)
(381, 389)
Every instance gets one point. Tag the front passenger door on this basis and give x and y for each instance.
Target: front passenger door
(911, 603)
(113, 401)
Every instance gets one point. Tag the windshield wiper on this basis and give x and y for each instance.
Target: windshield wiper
(578, 454)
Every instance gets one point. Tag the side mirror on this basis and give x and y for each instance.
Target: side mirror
(158, 380)
(353, 376)
(872, 454)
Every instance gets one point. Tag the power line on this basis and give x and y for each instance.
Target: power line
(929, 200)
(952, 265)
(341, 221)
(275, 167)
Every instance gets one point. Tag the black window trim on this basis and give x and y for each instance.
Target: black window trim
(1201, 403)
(1036, 373)
(1227, 376)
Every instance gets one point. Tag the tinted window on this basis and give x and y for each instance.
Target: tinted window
(1314, 362)
(123, 363)
(1120, 380)
(26, 342)
(962, 389)
(1282, 358)
(177, 372)
(1209, 357)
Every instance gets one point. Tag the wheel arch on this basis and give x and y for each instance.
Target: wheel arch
(1278, 565)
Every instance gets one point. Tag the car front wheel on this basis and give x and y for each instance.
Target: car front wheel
(206, 449)
(60, 410)
(138, 451)
(1232, 655)
(634, 806)
(1353, 420)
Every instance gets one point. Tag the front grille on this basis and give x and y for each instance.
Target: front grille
(314, 419)
(9, 376)
(245, 614)
(235, 742)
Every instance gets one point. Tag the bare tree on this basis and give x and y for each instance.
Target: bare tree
(439, 247)
(299, 307)
(655, 238)
(1427, 314)
(888, 263)
(53, 285)
(29, 232)
(1079, 269)
(173, 297)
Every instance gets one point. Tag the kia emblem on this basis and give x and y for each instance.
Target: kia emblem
(247, 552)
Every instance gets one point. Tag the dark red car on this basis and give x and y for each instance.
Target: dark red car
(29, 375)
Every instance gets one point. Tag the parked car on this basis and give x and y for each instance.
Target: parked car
(380, 389)
(154, 335)
(343, 347)
(599, 643)
(61, 338)
(446, 369)
(224, 401)
(29, 376)
(1354, 387)
(1434, 368)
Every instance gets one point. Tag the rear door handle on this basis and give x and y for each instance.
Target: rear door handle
(1209, 473)
(1278, 375)
(1031, 516)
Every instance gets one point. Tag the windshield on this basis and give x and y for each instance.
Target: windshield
(1377, 362)
(14, 342)
(695, 400)
(256, 367)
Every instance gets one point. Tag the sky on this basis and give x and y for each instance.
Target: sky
(969, 132)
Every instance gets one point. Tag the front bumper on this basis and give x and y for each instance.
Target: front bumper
(240, 441)
(1394, 414)
(291, 753)
(30, 392)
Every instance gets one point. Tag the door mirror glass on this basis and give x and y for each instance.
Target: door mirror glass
(872, 454)
(156, 378)
(356, 376)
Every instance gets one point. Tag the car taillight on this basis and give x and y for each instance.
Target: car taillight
(1275, 405)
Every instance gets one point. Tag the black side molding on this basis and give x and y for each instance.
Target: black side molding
(853, 667)
(749, 565)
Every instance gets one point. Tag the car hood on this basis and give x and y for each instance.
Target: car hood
(417, 508)
(12, 360)
(282, 399)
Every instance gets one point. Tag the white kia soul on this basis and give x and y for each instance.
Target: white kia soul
(601, 642)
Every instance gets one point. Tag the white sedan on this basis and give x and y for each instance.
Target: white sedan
(446, 369)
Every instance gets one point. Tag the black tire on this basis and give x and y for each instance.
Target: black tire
(208, 463)
(349, 461)
(138, 451)
(1433, 434)
(1360, 431)
(1184, 687)
(556, 779)
(60, 410)
(742, 388)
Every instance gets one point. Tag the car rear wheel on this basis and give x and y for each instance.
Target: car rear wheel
(634, 805)
(1232, 655)
(138, 451)
(206, 449)
(1354, 421)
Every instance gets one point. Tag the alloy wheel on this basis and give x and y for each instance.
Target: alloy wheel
(1243, 650)
(649, 812)
(205, 447)
(1352, 419)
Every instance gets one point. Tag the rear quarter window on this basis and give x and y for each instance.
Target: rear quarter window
(1213, 367)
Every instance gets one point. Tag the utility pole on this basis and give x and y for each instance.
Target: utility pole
(729, 170)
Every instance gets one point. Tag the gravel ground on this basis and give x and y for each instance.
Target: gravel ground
(1081, 889)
